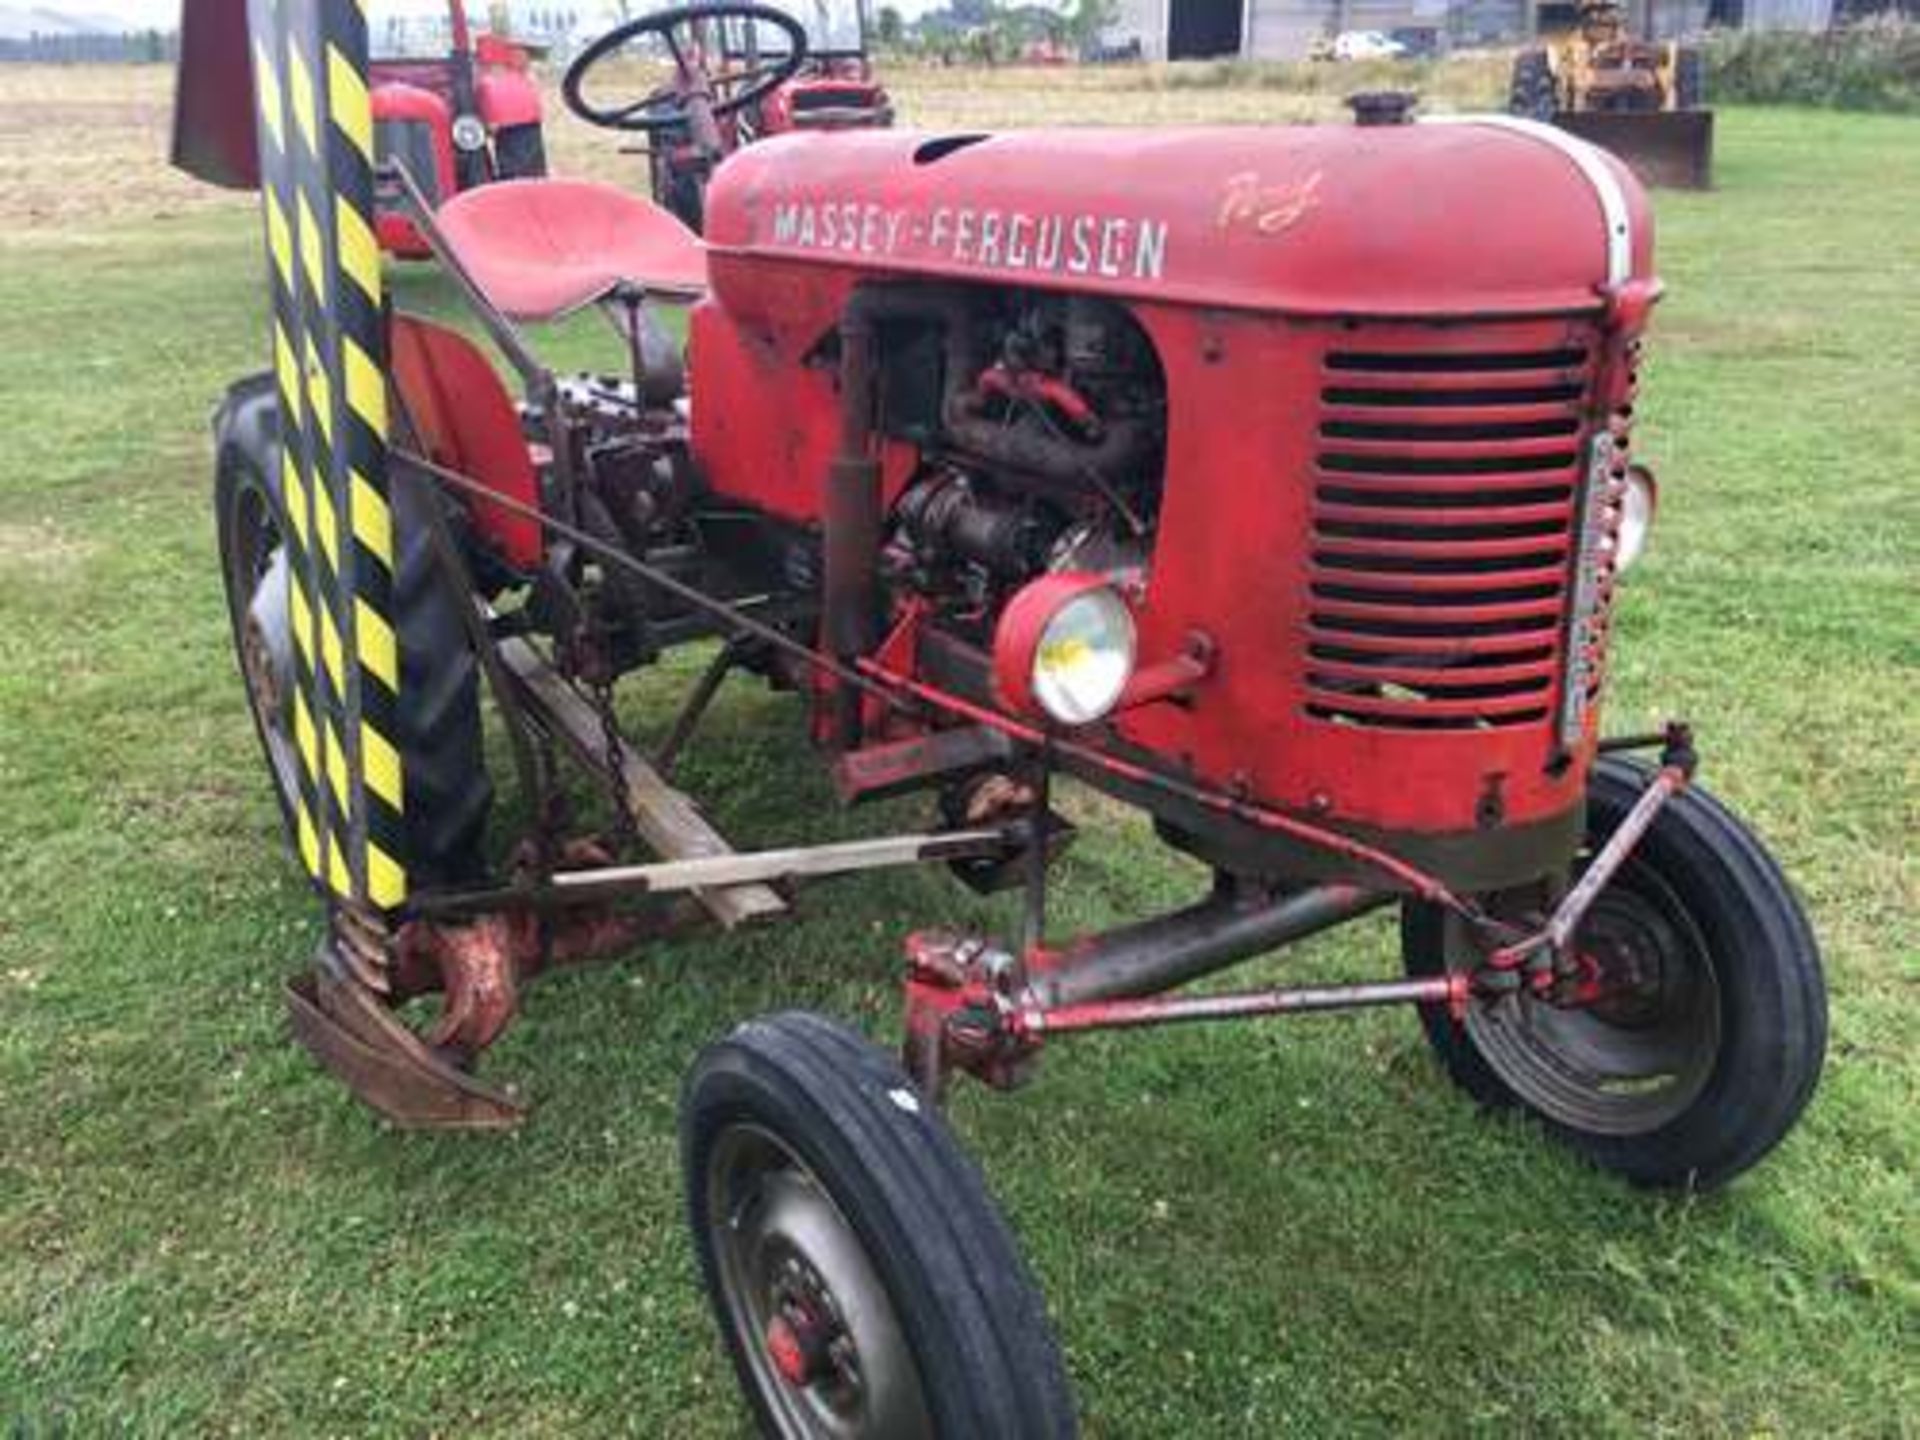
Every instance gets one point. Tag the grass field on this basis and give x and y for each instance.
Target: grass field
(1291, 1229)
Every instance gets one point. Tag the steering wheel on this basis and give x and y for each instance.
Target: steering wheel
(693, 35)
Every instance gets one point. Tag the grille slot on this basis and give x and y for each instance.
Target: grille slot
(411, 143)
(1448, 362)
(1445, 491)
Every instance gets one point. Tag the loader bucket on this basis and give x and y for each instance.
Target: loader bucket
(1672, 149)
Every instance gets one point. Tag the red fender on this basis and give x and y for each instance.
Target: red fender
(213, 121)
(506, 97)
(466, 421)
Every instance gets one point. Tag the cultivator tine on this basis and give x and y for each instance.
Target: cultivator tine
(354, 1035)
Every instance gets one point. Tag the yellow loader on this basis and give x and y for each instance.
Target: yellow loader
(1643, 100)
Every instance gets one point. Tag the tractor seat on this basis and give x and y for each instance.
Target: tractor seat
(541, 249)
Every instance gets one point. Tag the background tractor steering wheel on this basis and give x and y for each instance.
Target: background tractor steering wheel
(712, 77)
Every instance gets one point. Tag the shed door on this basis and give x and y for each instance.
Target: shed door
(1203, 29)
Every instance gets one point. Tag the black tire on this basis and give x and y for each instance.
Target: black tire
(1532, 92)
(448, 792)
(519, 152)
(794, 1126)
(1689, 79)
(1736, 988)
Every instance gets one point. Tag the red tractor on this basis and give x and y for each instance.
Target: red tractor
(1276, 482)
(462, 111)
(757, 70)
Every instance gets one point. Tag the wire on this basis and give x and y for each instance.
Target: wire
(910, 696)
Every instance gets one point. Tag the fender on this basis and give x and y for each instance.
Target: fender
(506, 96)
(464, 418)
(213, 121)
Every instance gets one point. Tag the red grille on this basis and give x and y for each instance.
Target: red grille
(1444, 518)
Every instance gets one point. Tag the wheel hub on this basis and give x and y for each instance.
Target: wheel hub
(1623, 1042)
(831, 1357)
(805, 1339)
(789, 1352)
(1622, 972)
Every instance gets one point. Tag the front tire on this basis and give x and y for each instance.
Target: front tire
(1710, 1036)
(864, 1281)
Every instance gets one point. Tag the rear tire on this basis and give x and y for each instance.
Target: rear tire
(448, 793)
(1702, 1062)
(864, 1281)
(519, 152)
(1532, 92)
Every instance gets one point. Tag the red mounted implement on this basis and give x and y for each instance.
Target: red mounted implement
(1275, 482)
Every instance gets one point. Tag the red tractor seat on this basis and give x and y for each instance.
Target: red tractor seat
(540, 249)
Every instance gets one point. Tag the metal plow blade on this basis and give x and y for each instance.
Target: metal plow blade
(385, 1064)
(1672, 149)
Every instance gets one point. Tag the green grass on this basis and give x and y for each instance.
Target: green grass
(1294, 1228)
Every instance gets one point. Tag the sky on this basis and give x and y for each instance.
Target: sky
(136, 14)
(165, 14)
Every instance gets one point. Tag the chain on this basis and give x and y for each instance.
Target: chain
(613, 756)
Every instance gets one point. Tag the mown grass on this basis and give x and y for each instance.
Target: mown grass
(1285, 1229)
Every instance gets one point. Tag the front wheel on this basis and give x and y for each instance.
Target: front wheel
(865, 1283)
(1705, 1028)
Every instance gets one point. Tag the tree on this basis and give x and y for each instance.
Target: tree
(1087, 22)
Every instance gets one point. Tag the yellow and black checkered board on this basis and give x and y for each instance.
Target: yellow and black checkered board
(329, 354)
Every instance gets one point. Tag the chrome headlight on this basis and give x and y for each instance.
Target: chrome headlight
(1065, 646)
(469, 133)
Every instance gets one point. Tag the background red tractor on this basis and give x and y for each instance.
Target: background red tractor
(462, 110)
(1230, 473)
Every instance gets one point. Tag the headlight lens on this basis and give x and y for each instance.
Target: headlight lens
(1637, 504)
(469, 133)
(1084, 658)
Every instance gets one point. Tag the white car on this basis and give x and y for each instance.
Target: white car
(1366, 45)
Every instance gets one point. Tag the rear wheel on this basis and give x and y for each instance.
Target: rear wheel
(448, 793)
(865, 1283)
(1531, 92)
(519, 152)
(1707, 1028)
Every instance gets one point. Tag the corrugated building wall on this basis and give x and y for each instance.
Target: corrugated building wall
(1142, 20)
(1284, 29)
(1787, 14)
(1287, 29)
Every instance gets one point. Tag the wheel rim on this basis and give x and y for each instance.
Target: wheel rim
(821, 1336)
(257, 580)
(1638, 1053)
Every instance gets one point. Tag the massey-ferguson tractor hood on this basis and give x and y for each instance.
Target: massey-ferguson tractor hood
(1394, 220)
(1389, 361)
